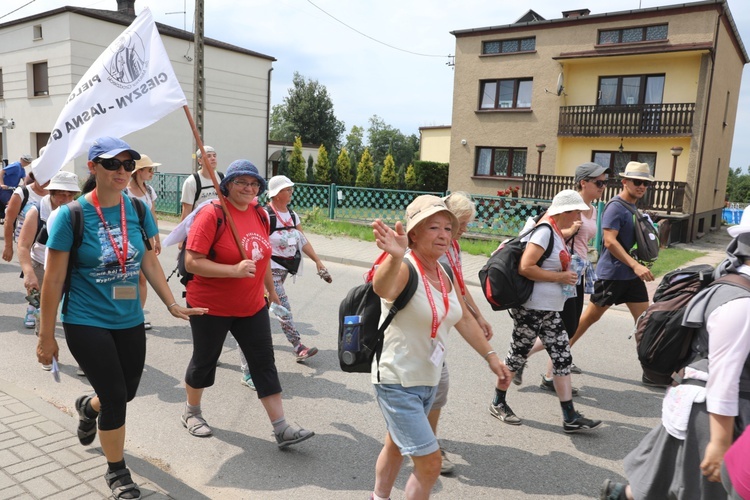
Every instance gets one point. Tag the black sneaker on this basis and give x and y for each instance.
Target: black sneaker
(518, 378)
(548, 385)
(580, 424)
(503, 413)
(575, 369)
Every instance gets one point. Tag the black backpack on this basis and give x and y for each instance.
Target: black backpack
(663, 344)
(363, 301)
(76, 220)
(503, 287)
(646, 247)
(200, 187)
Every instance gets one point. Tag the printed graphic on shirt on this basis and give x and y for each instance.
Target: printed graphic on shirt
(110, 269)
(257, 246)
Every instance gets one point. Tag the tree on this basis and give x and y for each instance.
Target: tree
(384, 139)
(323, 167)
(388, 177)
(410, 178)
(343, 167)
(297, 163)
(280, 129)
(308, 113)
(355, 143)
(310, 170)
(738, 186)
(283, 163)
(365, 176)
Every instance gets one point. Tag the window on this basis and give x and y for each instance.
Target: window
(502, 94)
(631, 35)
(37, 32)
(631, 89)
(501, 162)
(42, 138)
(509, 46)
(41, 83)
(616, 161)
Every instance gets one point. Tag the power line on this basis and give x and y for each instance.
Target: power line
(16, 10)
(371, 38)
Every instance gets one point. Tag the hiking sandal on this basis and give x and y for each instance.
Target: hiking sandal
(292, 435)
(86, 425)
(196, 425)
(612, 491)
(122, 485)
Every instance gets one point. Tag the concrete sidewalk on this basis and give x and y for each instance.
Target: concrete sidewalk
(40, 456)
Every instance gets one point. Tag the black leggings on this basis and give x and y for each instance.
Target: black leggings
(113, 362)
(252, 333)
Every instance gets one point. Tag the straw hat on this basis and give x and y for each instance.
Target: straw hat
(637, 170)
(145, 162)
(424, 206)
(64, 181)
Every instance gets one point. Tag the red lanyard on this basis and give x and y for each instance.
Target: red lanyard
(121, 255)
(443, 290)
(564, 253)
(289, 223)
(456, 265)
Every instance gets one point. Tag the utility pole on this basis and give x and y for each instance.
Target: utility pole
(199, 82)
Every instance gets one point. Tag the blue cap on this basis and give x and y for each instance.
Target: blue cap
(238, 168)
(109, 147)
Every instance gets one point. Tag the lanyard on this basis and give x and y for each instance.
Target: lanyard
(288, 223)
(122, 255)
(564, 253)
(428, 292)
(456, 265)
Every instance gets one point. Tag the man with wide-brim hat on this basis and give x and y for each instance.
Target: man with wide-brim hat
(621, 278)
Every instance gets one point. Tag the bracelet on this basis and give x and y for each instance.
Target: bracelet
(170, 306)
(488, 355)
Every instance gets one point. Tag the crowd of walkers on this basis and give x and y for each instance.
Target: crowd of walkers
(95, 255)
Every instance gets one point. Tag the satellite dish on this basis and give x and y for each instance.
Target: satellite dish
(560, 86)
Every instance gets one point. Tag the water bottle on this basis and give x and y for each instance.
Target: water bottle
(352, 326)
(577, 264)
(281, 312)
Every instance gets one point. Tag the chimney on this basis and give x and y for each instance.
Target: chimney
(126, 7)
(576, 13)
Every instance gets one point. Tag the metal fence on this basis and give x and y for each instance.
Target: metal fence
(496, 215)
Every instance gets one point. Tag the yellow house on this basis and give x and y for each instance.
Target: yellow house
(543, 96)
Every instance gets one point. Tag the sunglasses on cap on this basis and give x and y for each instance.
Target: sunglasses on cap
(599, 184)
(114, 164)
(639, 182)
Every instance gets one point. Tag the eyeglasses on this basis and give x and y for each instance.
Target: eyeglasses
(114, 164)
(639, 183)
(244, 184)
(599, 184)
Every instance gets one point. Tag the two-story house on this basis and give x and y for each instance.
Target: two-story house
(543, 96)
(43, 56)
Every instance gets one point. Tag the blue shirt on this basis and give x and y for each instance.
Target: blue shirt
(97, 269)
(13, 174)
(620, 219)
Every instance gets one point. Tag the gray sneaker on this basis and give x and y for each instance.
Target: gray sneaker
(575, 369)
(503, 413)
(446, 466)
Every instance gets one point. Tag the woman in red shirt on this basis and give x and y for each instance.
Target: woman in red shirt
(232, 289)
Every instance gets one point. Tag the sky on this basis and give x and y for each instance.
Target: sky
(392, 60)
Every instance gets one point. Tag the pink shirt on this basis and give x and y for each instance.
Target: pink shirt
(586, 233)
(737, 462)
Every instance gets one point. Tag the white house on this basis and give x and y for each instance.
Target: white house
(43, 56)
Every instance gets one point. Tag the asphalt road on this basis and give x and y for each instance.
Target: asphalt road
(533, 461)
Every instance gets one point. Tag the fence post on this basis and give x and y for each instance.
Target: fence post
(332, 201)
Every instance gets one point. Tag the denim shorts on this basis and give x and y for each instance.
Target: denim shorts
(405, 410)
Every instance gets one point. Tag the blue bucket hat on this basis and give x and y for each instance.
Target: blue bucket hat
(239, 168)
(109, 147)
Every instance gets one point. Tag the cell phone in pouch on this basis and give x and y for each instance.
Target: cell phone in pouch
(33, 298)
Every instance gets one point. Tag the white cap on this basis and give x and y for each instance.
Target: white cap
(208, 149)
(566, 200)
(64, 181)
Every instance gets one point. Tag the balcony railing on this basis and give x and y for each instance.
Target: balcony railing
(635, 120)
(545, 187)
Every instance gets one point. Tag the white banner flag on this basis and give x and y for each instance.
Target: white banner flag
(129, 87)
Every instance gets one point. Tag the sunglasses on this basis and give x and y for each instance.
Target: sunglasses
(599, 184)
(639, 183)
(114, 164)
(244, 184)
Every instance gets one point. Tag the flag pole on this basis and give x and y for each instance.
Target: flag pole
(215, 182)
